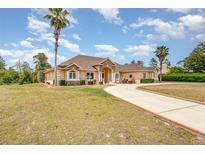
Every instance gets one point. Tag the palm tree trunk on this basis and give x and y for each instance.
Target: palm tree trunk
(160, 76)
(56, 53)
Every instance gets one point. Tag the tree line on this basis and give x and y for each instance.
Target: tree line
(194, 63)
(22, 73)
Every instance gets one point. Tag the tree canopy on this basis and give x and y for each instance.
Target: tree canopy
(138, 62)
(196, 60)
(41, 62)
(2, 63)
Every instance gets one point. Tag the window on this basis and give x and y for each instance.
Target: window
(130, 76)
(116, 76)
(90, 76)
(72, 75)
(144, 75)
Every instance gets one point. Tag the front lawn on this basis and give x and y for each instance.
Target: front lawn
(36, 114)
(193, 91)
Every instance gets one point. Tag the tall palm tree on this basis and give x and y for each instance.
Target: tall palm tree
(58, 20)
(161, 53)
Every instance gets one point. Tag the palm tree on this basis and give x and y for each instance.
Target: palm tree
(161, 53)
(58, 20)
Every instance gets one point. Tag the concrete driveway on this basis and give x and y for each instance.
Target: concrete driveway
(189, 114)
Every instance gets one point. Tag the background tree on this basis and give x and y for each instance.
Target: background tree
(138, 62)
(176, 69)
(167, 62)
(196, 60)
(153, 63)
(26, 75)
(161, 53)
(58, 20)
(18, 65)
(41, 64)
(2, 63)
(2, 69)
(10, 76)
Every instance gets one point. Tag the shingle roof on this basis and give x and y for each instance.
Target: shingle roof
(84, 62)
(87, 63)
(133, 67)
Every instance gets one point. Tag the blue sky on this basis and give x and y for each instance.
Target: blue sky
(120, 34)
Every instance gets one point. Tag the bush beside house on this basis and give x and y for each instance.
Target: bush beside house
(62, 83)
(146, 80)
(191, 77)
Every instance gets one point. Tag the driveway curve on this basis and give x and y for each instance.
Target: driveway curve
(186, 113)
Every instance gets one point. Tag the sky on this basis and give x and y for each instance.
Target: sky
(122, 35)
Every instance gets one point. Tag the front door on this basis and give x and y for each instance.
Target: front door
(103, 76)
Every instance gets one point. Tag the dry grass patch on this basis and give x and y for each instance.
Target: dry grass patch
(193, 91)
(36, 114)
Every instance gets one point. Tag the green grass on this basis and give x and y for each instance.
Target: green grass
(193, 91)
(36, 114)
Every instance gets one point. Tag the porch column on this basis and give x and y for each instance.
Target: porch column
(100, 76)
(78, 75)
(113, 76)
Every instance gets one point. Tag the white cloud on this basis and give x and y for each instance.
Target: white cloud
(140, 50)
(193, 22)
(13, 56)
(24, 55)
(26, 44)
(106, 50)
(110, 14)
(5, 53)
(155, 37)
(76, 37)
(180, 10)
(36, 25)
(71, 46)
(125, 29)
(106, 47)
(199, 38)
(169, 29)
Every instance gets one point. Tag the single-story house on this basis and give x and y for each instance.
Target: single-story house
(99, 70)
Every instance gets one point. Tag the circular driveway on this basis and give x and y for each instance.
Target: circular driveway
(187, 113)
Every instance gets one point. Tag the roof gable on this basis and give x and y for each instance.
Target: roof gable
(84, 62)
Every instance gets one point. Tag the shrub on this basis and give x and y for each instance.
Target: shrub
(146, 80)
(90, 82)
(186, 77)
(176, 69)
(82, 82)
(62, 82)
(1, 82)
(100, 82)
(10, 76)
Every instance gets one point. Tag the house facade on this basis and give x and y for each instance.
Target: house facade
(99, 71)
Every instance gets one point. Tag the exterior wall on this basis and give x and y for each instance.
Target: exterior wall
(165, 68)
(49, 77)
(135, 76)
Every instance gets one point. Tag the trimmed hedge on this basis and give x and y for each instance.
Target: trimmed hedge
(191, 77)
(62, 82)
(82, 82)
(146, 80)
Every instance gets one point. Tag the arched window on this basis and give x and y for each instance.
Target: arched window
(72, 75)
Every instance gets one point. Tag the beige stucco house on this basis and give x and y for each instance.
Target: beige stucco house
(98, 70)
